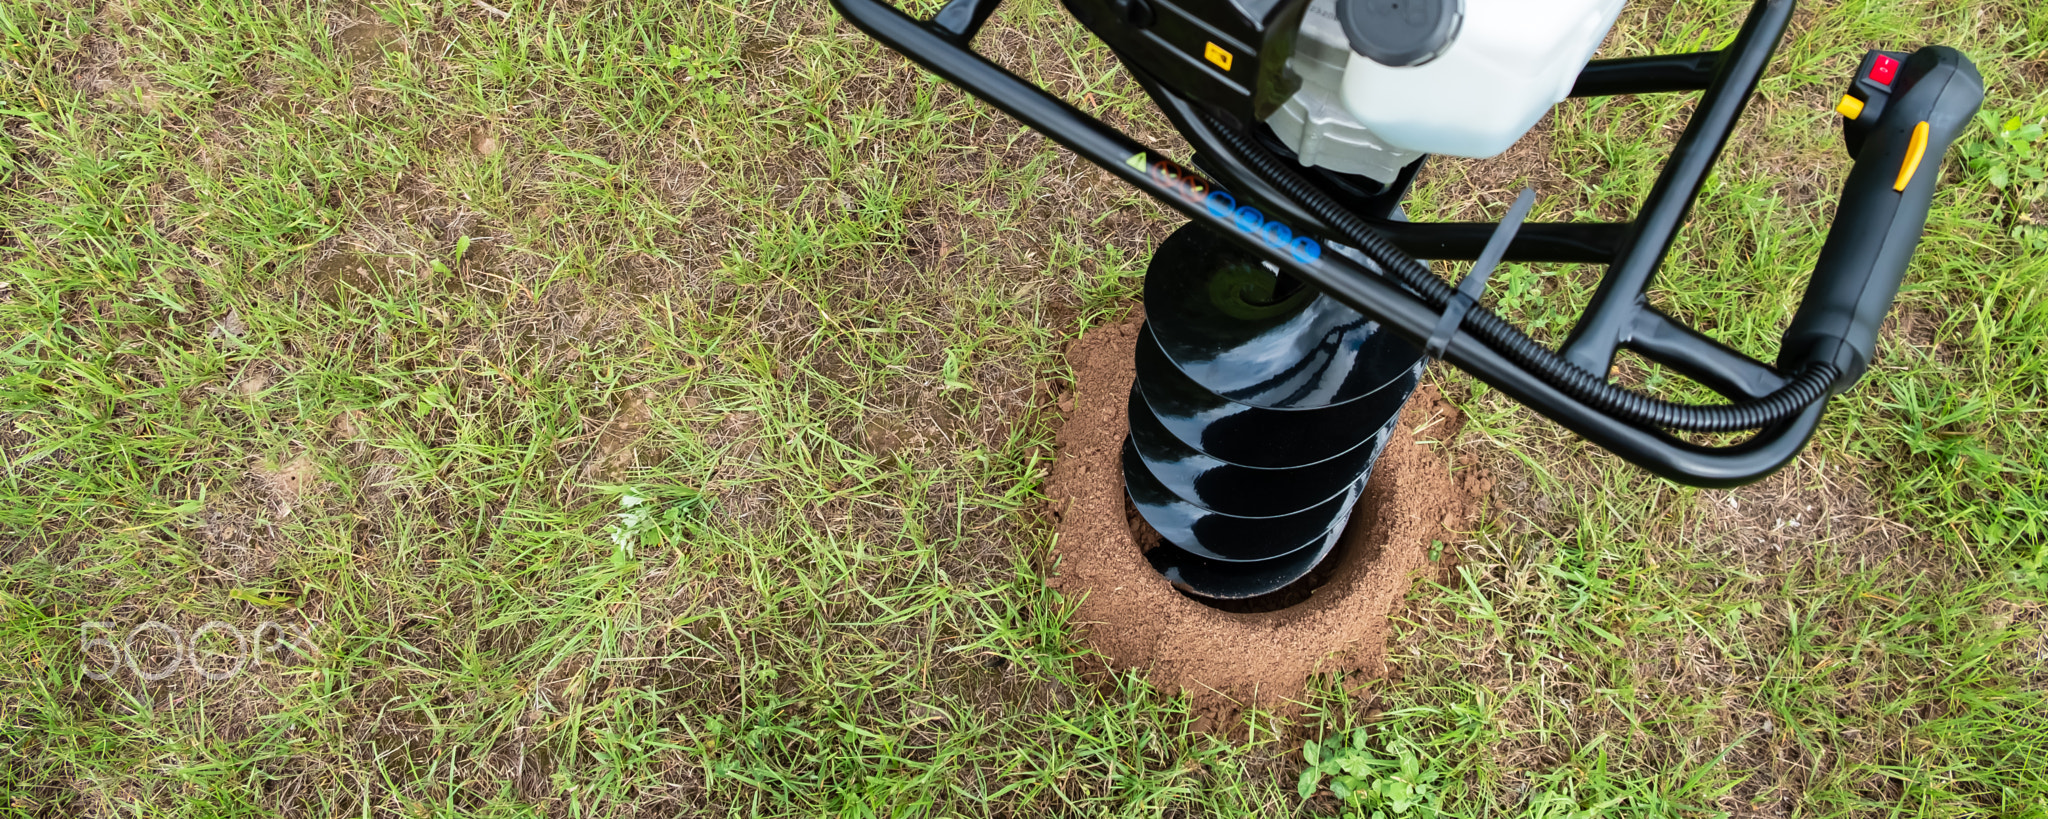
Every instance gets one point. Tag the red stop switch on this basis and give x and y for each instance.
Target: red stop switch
(1884, 69)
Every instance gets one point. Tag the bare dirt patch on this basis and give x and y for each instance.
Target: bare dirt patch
(99, 74)
(290, 482)
(616, 450)
(368, 40)
(226, 539)
(1230, 661)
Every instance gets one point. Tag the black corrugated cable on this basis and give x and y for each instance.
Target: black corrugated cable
(1809, 385)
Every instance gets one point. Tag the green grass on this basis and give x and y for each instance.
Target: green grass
(363, 320)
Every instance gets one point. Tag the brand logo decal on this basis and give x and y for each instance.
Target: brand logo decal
(1245, 218)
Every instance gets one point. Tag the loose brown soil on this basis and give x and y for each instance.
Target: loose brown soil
(1229, 661)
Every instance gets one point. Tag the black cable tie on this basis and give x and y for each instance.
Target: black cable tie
(1475, 282)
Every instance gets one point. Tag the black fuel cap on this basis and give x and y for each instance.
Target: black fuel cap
(1400, 33)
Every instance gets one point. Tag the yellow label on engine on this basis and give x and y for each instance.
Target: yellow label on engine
(1217, 55)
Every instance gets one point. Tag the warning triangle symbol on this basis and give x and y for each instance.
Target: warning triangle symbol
(1137, 160)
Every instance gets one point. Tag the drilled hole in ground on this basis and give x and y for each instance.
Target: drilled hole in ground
(1226, 661)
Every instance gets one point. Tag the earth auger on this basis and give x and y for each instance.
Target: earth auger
(1289, 320)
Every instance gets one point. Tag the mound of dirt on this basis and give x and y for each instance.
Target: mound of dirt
(1227, 661)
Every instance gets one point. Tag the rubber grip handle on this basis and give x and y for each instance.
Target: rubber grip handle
(1879, 223)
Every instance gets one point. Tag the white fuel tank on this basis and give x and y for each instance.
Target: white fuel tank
(1510, 61)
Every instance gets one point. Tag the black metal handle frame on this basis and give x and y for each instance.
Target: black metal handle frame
(1618, 316)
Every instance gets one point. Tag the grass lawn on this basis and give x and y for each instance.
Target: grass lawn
(642, 409)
